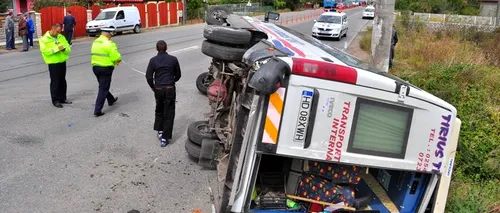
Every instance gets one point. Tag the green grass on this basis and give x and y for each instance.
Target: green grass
(366, 40)
(461, 67)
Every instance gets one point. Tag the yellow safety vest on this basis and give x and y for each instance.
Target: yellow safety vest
(49, 47)
(104, 52)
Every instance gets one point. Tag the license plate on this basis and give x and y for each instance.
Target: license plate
(92, 30)
(322, 31)
(303, 116)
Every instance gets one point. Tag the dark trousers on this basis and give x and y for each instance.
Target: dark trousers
(58, 86)
(9, 40)
(165, 111)
(391, 57)
(30, 39)
(69, 36)
(103, 75)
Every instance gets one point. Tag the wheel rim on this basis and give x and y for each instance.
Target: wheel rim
(217, 14)
(207, 80)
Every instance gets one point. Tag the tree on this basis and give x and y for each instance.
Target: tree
(4, 5)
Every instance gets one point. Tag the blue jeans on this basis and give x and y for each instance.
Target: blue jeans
(9, 42)
(30, 39)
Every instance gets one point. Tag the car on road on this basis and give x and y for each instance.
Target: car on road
(369, 12)
(330, 25)
(118, 18)
(280, 101)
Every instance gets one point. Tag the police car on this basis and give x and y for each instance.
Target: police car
(369, 12)
(332, 24)
(281, 100)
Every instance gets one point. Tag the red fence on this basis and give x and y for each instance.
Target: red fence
(172, 7)
(163, 12)
(95, 11)
(160, 14)
(152, 15)
(80, 14)
(50, 16)
(142, 13)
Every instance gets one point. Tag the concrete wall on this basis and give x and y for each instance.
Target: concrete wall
(488, 9)
(455, 19)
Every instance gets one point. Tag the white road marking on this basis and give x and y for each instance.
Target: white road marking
(145, 59)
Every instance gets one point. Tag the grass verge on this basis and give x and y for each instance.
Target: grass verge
(461, 66)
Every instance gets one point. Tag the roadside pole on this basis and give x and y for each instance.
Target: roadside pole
(382, 33)
(497, 15)
(184, 14)
(14, 11)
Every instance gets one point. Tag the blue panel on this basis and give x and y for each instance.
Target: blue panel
(307, 93)
(376, 204)
(400, 188)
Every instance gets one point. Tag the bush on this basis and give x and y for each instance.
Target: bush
(461, 66)
(366, 41)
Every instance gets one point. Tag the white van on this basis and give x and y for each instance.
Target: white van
(119, 18)
(331, 24)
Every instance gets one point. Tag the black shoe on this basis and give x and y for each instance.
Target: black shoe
(66, 102)
(113, 102)
(98, 114)
(58, 105)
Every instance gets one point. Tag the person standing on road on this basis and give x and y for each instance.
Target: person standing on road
(55, 52)
(9, 33)
(69, 24)
(162, 73)
(31, 28)
(23, 31)
(105, 57)
(394, 41)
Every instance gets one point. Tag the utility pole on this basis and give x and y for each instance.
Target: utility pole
(382, 33)
(14, 11)
(497, 15)
(184, 12)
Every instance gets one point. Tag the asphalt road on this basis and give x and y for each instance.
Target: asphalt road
(65, 160)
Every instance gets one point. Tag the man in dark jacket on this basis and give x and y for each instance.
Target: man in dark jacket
(9, 33)
(69, 24)
(394, 41)
(162, 73)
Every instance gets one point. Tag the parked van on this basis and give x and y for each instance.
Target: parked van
(119, 18)
(331, 25)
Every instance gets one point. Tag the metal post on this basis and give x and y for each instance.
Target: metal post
(382, 33)
(184, 12)
(497, 15)
(14, 10)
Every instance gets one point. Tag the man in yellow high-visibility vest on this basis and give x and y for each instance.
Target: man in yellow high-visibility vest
(55, 52)
(105, 57)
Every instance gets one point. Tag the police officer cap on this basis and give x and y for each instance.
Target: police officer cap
(109, 30)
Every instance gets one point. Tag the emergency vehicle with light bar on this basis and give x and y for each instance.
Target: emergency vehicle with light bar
(280, 100)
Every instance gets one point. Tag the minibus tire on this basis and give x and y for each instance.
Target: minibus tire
(195, 134)
(211, 20)
(222, 52)
(193, 150)
(228, 35)
(201, 82)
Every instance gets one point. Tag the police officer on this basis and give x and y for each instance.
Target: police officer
(105, 57)
(55, 52)
(162, 73)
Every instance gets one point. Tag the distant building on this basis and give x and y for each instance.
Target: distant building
(489, 7)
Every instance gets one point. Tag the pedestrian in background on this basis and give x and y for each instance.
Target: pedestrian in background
(9, 32)
(23, 31)
(69, 24)
(31, 28)
(394, 41)
(162, 72)
(55, 52)
(104, 58)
